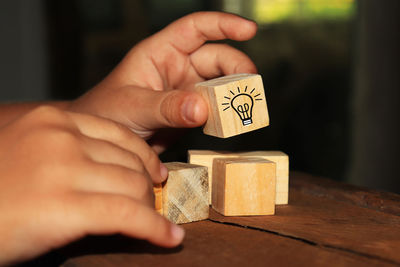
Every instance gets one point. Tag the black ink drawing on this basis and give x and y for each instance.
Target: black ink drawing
(242, 103)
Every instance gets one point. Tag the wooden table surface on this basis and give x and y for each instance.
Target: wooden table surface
(326, 223)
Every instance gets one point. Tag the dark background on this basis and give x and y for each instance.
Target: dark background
(330, 70)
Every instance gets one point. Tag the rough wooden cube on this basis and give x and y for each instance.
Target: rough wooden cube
(243, 186)
(236, 104)
(185, 193)
(206, 157)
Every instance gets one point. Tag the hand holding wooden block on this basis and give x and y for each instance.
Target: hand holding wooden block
(243, 186)
(184, 194)
(206, 157)
(236, 103)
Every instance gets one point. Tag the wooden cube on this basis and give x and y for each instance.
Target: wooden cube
(236, 104)
(185, 193)
(158, 198)
(206, 157)
(243, 186)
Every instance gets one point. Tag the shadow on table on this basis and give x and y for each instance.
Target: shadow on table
(95, 245)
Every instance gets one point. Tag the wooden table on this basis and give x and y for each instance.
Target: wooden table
(326, 223)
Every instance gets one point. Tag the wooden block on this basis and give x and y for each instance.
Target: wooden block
(185, 193)
(158, 198)
(206, 157)
(282, 172)
(243, 186)
(236, 104)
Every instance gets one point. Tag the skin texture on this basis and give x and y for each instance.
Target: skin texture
(67, 175)
(69, 169)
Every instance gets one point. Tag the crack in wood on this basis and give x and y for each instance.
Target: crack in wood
(308, 242)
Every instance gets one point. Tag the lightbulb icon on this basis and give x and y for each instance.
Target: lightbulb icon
(242, 103)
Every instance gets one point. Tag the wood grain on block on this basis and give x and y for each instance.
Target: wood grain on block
(236, 103)
(243, 186)
(158, 198)
(206, 157)
(185, 193)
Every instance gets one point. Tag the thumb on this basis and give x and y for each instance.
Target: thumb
(152, 110)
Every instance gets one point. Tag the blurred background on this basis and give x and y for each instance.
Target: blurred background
(330, 71)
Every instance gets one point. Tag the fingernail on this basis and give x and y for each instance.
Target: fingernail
(190, 110)
(177, 232)
(163, 171)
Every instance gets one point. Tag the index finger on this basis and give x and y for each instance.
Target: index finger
(105, 214)
(190, 32)
(117, 134)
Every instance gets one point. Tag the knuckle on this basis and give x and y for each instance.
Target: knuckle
(58, 148)
(149, 162)
(64, 138)
(46, 114)
(124, 208)
(44, 109)
(121, 133)
(149, 156)
(49, 137)
(153, 161)
(143, 186)
(137, 162)
(44, 117)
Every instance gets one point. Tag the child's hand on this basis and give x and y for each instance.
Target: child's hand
(65, 175)
(175, 58)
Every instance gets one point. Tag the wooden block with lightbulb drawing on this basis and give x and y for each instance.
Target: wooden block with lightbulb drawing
(236, 104)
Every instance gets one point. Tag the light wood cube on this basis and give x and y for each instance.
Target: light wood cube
(206, 157)
(236, 104)
(243, 186)
(185, 193)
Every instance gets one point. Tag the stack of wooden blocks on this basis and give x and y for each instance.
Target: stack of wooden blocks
(235, 184)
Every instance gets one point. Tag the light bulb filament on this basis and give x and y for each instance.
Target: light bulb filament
(243, 105)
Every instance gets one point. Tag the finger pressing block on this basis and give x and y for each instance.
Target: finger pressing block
(236, 104)
(184, 194)
(243, 186)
